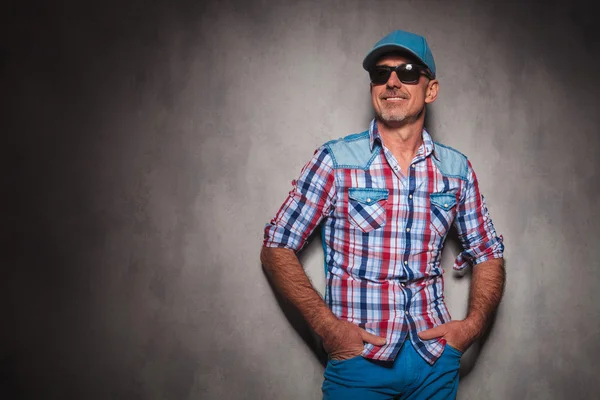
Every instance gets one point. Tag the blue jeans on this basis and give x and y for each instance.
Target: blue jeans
(409, 377)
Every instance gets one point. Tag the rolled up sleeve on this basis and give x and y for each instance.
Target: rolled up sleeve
(309, 201)
(475, 228)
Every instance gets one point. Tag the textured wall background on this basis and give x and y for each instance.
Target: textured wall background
(147, 143)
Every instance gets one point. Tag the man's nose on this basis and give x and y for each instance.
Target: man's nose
(393, 80)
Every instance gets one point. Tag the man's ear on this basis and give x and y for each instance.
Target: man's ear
(432, 91)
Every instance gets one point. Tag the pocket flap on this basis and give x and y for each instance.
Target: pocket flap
(368, 196)
(443, 200)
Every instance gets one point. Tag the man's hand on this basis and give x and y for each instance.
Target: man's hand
(487, 286)
(458, 334)
(346, 340)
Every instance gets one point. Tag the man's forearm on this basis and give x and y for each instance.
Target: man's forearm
(288, 276)
(487, 287)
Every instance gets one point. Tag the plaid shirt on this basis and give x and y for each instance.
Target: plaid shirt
(383, 233)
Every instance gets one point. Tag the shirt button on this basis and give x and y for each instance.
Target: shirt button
(405, 263)
(413, 165)
(368, 199)
(403, 284)
(406, 312)
(410, 196)
(445, 205)
(407, 229)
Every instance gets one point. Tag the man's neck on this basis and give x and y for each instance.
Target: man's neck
(402, 139)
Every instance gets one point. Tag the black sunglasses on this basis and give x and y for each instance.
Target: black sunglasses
(407, 73)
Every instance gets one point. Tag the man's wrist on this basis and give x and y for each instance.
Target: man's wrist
(326, 324)
(476, 323)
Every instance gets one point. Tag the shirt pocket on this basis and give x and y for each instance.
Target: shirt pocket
(443, 210)
(366, 208)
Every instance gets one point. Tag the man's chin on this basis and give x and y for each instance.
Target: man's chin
(392, 118)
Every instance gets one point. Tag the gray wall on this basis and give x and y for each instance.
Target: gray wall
(146, 144)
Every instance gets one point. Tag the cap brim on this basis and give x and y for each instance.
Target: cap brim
(377, 52)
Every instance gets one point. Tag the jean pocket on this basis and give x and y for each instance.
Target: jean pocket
(443, 210)
(454, 350)
(347, 360)
(366, 208)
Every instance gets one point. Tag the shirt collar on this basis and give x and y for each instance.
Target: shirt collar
(424, 150)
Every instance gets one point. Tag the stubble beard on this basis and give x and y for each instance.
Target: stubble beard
(392, 115)
(397, 115)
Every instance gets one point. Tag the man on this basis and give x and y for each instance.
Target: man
(386, 199)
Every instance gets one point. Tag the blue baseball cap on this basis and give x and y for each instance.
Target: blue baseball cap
(401, 41)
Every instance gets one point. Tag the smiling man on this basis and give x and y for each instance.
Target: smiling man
(386, 199)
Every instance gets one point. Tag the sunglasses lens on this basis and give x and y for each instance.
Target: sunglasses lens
(408, 73)
(379, 76)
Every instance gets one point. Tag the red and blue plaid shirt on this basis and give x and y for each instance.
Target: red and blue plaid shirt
(383, 233)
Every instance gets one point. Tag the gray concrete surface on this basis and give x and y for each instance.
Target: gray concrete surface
(146, 144)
